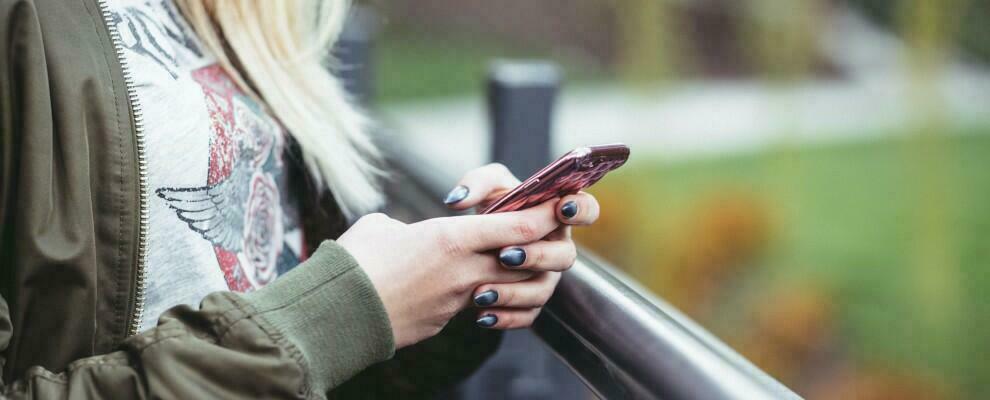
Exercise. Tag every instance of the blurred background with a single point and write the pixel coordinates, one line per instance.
(810, 179)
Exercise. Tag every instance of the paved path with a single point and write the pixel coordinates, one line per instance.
(700, 118)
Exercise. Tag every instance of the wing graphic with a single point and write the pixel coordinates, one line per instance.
(215, 211)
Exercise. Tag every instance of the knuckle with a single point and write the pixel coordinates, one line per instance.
(433, 226)
(508, 297)
(525, 230)
(447, 243)
(372, 218)
(538, 257)
(381, 219)
(498, 168)
(507, 321)
(376, 222)
(571, 254)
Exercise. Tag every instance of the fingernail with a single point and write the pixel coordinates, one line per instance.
(486, 298)
(487, 321)
(513, 257)
(455, 196)
(569, 210)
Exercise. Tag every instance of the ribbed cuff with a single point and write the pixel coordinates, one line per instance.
(329, 309)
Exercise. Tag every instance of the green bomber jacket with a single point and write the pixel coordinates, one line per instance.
(72, 207)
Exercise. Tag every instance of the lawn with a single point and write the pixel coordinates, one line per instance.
(869, 259)
(415, 65)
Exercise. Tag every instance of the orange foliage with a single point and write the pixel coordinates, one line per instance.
(791, 331)
(722, 235)
(878, 384)
(610, 235)
(790, 328)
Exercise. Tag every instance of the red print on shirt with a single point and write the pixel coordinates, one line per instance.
(239, 210)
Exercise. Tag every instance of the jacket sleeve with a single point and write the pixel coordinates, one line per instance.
(304, 334)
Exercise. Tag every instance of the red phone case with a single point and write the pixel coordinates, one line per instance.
(576, 170)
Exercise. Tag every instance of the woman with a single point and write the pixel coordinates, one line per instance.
(168, 222)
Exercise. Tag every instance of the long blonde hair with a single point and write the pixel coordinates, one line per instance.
(275, 50)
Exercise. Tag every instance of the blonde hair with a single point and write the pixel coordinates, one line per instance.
(275, 52)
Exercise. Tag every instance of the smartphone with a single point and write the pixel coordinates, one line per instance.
(575, 171)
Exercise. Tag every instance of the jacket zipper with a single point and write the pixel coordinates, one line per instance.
(134, 322)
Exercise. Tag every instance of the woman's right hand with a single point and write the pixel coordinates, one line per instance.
(425, 272)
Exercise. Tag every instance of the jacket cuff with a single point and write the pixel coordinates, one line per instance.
(329, 309)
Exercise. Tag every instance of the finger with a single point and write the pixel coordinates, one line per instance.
(490, 271)
(578, 209)
(531, 293)
(480, 185)
(507, 318)
(544, 255)
(494, 231)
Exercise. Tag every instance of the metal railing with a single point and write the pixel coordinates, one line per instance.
(620, 340)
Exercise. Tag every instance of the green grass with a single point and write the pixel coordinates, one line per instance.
(897, 231)
(413, 65)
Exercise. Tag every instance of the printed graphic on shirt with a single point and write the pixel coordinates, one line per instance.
(239, 209)
(222, 214)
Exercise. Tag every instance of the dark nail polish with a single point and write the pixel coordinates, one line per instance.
(455, 196)
(486, 298)
(569, 210)
(487, 321)
(513, 257)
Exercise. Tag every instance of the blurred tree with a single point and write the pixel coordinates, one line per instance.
(929, 28)
(972, 33)
(783, 36)
(647, 40)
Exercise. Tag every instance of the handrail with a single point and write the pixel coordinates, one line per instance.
(619, 339)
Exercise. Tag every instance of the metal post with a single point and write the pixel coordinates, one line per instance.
(521, 98)
(353, 54)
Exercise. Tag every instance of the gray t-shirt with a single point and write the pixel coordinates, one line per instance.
(221, 215)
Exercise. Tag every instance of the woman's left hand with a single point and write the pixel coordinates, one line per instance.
(516, 305)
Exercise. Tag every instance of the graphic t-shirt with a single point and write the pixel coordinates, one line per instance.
(221, 216)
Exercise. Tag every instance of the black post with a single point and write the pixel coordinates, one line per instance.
(353, 54)
(521, 99)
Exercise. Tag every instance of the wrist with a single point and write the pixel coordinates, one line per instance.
(380, 284)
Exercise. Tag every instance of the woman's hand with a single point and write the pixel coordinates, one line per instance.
(425, 272)
(508, 305)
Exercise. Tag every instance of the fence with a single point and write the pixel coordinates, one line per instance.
(619, 340)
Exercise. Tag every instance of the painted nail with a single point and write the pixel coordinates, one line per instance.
(569, 210)
(486, 298)
(513, 257)
(487, 321)
(455, 196)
